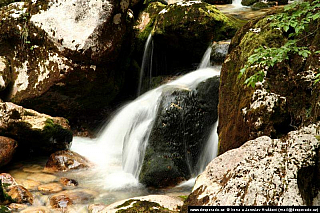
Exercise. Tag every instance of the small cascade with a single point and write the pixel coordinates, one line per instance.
(205, 61)
(237, 3)
(146, 66)
(210, 150)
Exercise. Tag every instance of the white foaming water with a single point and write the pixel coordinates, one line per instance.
(119, 150)
(211, 149)
(146, 62)
(237, 3)
(205, 61)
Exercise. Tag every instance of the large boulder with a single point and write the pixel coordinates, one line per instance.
(8, 148)
(34, 131)
(65, 58)
(184, 30)
(287, 97)
(263, 172)
(180, 131)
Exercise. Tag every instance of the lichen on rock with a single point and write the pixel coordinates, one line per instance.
(264, 172)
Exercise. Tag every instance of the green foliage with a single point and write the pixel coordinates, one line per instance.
(294, 20)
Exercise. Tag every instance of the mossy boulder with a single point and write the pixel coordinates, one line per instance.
(248, 2)
(259, 6)
(183, 32)
(286, 99)
(179, 134)
(34, 132)
(218, 1)
(64, 59)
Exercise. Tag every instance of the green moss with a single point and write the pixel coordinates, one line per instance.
(4, 197)
(4, 209)
(183, 197)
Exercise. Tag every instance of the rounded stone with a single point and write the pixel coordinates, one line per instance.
(68, 182)
(50, 188)
(8, 148)
(43, 178)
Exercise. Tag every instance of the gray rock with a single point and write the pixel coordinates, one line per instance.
(263, 171)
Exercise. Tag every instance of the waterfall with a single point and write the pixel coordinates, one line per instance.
(205, 61)
(210, 150)
(146, 66)
(237, 3)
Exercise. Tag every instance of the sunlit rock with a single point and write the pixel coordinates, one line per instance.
(34, 131)
(50, 188)
(65, 161)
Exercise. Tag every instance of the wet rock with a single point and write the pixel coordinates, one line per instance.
(142, 204)
(96, 208)
(219, 51)
(41, 177)
(65, 161)
(182, 127)
(218, 1)
(20, 194)
(248, 2)
(30, 185)
(50, 188)
(68, 182)
(34, 131)
(60, 201)
(38, 209)
(33, 169)
(7, 179)
(259, 6)
(263, 172)
(17, 206)
(8, 148)
(68, 197)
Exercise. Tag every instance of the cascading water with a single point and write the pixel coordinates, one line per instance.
(146, 66)
(205, 61)
(237, 3)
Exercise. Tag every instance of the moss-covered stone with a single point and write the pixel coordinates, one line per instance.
(183, 32)
(259, 6)
(286, 99)
(248, 2)
(34, 132)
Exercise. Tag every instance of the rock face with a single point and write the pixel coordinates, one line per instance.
(65, 161)
(34, 131)
(181, 130)
(263, 171)
(286, 98)
(8, 148)
(63, 56)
